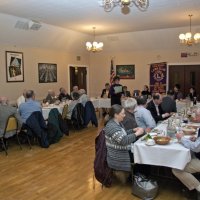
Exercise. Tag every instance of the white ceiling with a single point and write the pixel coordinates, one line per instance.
(82, 15)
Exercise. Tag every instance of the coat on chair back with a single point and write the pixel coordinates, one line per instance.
(77, 117)
(89, 114)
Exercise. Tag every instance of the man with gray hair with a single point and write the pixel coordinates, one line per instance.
(30, 106)
(6, 111)
(51, 97)
(129, 119)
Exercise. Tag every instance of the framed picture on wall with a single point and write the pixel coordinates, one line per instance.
(14, 66)
(47, 72)
(125, 71)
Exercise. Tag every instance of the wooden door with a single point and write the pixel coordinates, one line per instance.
(78, 76)
(186, 76)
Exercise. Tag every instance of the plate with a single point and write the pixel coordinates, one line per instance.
(148, 144)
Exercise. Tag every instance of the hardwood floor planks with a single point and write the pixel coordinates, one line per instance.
(62, 172)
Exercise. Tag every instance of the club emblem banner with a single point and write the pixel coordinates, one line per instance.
(158, 77)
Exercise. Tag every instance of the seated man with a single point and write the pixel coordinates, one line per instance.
(75, 97)
(168, 103)
(30, 106)
(83, 97)
(51, 97)
(63, 95)
(125, 92)
(155, 108)
(5, 112)
(74, 89)
(22, 98)
(143, 116)
(185, 176)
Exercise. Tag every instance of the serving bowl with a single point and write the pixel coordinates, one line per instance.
(188, 130)
(162, 140)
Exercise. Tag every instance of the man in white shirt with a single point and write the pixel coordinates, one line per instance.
(21, 99)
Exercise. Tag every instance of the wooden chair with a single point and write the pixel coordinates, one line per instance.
(11, 126)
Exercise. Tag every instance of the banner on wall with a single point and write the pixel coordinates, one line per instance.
(158, 77)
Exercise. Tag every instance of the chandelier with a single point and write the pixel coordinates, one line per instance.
(94, 46)
(187, 38)
(110, 4)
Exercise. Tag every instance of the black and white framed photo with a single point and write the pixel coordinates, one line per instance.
(14, 66)
(47, 72)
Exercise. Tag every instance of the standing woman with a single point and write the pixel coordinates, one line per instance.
(118, 141)
(116, 91)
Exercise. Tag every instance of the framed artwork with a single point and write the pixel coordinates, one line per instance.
(125, 71)
(47, 72)
(14, 66)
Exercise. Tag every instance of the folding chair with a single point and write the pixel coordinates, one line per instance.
(11, 126)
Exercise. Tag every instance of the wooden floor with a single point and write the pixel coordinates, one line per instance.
(64, 171)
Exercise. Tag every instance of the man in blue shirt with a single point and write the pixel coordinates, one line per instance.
(30, 106)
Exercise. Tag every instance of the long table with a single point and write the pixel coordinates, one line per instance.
(173, 155)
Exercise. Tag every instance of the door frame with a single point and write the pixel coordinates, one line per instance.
(68, 71)
(189, 63)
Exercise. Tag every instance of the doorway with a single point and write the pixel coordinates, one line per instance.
(186, 76)
(78, 76)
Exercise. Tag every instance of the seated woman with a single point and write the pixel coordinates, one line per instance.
(118, 141)
(106, 91)
(177, 93)
(192, 93)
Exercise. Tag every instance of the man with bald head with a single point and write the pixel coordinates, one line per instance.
(154, 106)
(6, 111)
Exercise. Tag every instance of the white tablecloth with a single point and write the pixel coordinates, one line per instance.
(46, 110)
(101, 102)
(172, 155)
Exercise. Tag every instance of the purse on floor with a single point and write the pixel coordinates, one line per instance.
(144, 188)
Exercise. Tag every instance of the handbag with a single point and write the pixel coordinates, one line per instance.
(144, 188)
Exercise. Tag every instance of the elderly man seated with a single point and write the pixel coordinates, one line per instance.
(5, 111)
(74, 89)
(185, 176)
(143, 116)
(30, 106)
(63, 95)
(75, 97)
(51, 97)
(154, 106)
(32, 118)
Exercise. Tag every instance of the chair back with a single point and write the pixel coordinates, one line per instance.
(64, 112)
(11, 125)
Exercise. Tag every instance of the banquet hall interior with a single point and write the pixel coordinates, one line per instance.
(54, 34)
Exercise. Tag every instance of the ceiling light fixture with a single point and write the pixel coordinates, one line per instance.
(187, 38)
(94, 46)
(108, 5)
